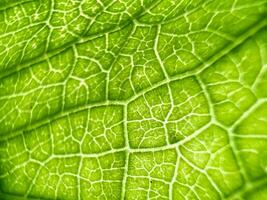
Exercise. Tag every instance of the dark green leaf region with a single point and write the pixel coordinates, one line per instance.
(133, 99)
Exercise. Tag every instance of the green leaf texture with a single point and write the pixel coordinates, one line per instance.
(133, 99)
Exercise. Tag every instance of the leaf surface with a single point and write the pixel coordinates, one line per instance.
(133, 99)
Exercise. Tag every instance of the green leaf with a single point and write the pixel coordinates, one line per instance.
(133, 99)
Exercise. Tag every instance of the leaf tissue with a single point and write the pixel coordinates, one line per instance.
(133, 99)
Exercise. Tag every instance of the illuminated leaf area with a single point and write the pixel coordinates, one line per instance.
(133, 99)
